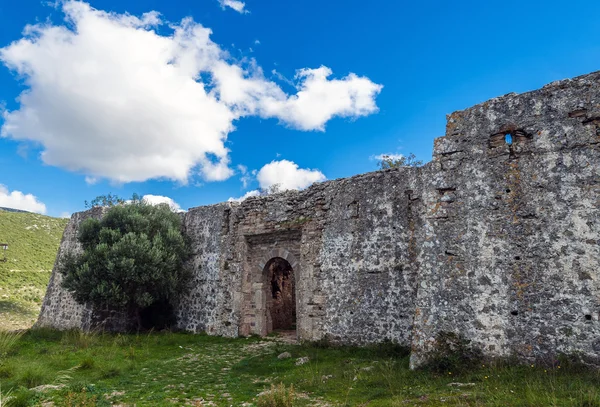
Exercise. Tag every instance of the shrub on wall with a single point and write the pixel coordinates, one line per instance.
(387, 161)
(132, 259)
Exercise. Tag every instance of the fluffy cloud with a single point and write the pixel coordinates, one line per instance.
(319, 99)
(109, 97)
(159, 199)
(280, 176)
(237, 5)
(19, 200)
(254, 192)
(246, 177)
(286, 175)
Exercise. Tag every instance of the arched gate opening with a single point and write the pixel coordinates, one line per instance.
(280, 294)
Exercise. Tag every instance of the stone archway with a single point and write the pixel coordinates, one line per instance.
(279, 275)
(280, 295)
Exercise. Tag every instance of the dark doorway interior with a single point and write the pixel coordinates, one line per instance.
(282, 294)
(158, 316)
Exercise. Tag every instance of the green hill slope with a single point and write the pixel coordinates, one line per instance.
(33, 241)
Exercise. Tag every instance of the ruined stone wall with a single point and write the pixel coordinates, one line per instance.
(367, 257)
(510, 255)
(351, 244)
(204, 308)
(496, 240)
(59, 309)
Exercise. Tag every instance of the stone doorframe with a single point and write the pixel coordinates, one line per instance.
(264, 320)
(260, 322)
(283, 253)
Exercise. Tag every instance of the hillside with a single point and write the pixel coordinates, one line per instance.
(33, 241)
(13, 210)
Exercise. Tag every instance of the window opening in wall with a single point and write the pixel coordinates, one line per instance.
(281, 302)
(508, 138)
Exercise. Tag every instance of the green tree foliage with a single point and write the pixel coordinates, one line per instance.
(132, 258)
(394, 162)
(107, 200)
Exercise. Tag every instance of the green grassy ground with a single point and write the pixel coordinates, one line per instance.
(168, 369)
(33, 241)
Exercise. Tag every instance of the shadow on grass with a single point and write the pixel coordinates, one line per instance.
(16, 315)
(15, 308)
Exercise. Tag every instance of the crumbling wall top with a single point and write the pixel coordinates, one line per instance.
(542, 120)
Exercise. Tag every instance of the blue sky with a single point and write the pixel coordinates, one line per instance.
(120, 102)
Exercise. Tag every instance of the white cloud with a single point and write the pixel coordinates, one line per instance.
(280, 176)
(286, 175)
(109, 97)
(254, 192)
(282, 77)
(246, 177)
(237, 5)
(320, 99)
(91, 180)
(19, 200)
(159, 199)
(65, 215)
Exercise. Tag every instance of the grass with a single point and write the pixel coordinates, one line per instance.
(167, 369)
(33, 241)
(277, 396)
(8, 340)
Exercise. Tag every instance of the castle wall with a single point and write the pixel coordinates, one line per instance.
(204, 308)
(495, 241)
(351, 244)
(510, 255)
(367, 258)
(59, 309)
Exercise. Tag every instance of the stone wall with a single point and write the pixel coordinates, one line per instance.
(59, 309)
(204, 309)
(496, 239)
(511, 254)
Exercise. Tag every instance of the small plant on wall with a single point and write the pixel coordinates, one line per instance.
(133, 260)
(394, 161)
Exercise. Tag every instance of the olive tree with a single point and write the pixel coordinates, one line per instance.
(132, 258)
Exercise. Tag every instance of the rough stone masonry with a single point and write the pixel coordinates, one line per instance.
(497, 239)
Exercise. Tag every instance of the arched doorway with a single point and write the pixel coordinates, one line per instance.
(280, 294)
